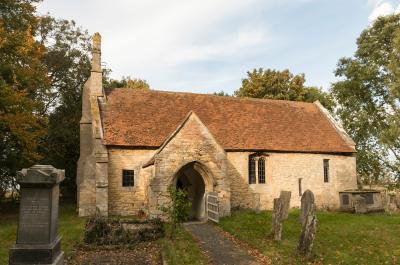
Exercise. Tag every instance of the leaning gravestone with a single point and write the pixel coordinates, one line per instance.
(276, 228)
(309, 223)
(307, 205)
(38, 241)
(285, 197)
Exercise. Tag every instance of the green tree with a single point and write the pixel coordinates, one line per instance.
(125, 82)
(274, 84)
(178, 209)
(368, 98)
(68, 64)
(23, 83)
(221, 93)
(44, 63)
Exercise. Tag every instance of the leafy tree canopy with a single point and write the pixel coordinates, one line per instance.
(43, 65)
(368, 96)
(23, 82)
(274, 84)
(125, 82)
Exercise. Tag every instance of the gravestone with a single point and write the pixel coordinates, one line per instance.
(38, 241)
(276, 229)
(307, 205)
(309, 224)
(285, 197)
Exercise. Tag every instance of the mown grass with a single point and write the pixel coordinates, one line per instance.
(342, 238)
(71, 229)
(183, 249)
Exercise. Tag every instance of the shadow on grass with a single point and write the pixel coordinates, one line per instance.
(342, 238)
(71, 229)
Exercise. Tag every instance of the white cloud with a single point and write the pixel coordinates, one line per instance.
(380, 8)
(397, 9)
(144, 36)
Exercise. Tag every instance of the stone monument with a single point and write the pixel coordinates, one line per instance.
(276, 228)
(285, 197)
(38, 241)
(308, 224)
(280, 213)
(307, 205)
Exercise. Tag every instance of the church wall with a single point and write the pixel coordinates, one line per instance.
(283, 170)
(128, 200)
(192, 142)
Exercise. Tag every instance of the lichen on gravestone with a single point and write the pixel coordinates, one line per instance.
(307, 205)
(309, 224)
(276, 229)
(285, 197)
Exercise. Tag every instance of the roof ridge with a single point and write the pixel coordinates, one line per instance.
(212, 95)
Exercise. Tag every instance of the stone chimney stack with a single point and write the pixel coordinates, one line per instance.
(96, 76)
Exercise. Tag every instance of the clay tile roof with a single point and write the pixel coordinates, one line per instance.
(140, 118)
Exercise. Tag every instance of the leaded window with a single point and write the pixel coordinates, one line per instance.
(261, 170)
(252, 170)
(326, 170)
(128, 178)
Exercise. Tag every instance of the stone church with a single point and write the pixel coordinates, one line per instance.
(134, 144)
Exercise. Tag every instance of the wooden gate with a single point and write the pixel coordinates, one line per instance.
(212, 207)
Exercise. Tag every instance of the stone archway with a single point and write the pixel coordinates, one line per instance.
(194, 179)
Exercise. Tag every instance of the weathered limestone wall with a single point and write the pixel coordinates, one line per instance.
(282, 171)
(191, 142)
(128, 200)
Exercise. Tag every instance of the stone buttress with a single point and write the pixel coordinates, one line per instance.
(92, 173)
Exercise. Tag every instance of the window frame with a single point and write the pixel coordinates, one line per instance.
(326, 170)
(261, 170)
(128, 173)
(252, 170)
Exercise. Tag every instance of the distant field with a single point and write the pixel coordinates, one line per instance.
(342, 238)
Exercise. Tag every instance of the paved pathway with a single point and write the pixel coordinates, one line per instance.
(220, 249)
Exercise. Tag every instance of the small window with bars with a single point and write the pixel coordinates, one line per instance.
(128, 178)
(326, 170)
(345, 199)
(261, 170)
(252, 170)
(369, 198)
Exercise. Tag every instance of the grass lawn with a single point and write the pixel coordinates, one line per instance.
(342, 238)
(71, 229)
(182, 250)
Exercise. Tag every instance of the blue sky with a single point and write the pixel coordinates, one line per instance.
(205, 46)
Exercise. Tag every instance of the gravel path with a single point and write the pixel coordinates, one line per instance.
(220, 249)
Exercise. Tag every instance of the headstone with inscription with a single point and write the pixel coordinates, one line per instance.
(38, 241)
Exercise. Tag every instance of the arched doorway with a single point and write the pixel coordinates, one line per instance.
(190, 179)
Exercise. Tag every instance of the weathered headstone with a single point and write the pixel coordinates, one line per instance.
(38, 241)
(360, 205)
(309, 223)
(285, 197)
(307, 205)
(276, 229)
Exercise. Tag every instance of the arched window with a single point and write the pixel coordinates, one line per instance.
(252, 170)
(261, 170)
